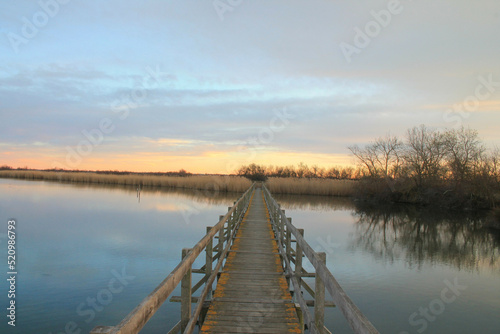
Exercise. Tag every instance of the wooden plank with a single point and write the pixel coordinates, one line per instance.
(252, 294)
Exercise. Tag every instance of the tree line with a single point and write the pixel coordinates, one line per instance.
(261, 173)
(450, 167)
(453, 161)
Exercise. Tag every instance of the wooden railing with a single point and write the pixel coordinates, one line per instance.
(284, 231)
(225, 230)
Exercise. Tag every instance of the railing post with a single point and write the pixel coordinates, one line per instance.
(234, 216)
(282, 227)
(298, 260)
(300, 315)
(185, 294)
(221, 237)
(209, 260)
(289, 240)
(319, 302)
(230, 223)
(277, 220)
(220, 245)
(288, 247)
(209, 250)
(239, 211)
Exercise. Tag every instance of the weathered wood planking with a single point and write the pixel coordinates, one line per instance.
(252, 294)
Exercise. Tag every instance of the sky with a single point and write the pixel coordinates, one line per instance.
(208, 86)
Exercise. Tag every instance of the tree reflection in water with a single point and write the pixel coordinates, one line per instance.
(424, 236)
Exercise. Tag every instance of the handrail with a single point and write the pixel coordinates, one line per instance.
(231, 234)
(357, 320)
(136, 319)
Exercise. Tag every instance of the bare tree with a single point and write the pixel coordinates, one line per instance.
(464, 152)
(367, 157)
(382, 157)
(388, 152)
(424, 154)
(494, 159)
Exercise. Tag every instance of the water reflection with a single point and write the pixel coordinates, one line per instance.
(323, 203)
(204, 196)
(420, 236)
(71, 238)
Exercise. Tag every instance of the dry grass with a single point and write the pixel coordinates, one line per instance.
(322, 187)
(204, 182)
(292, 186)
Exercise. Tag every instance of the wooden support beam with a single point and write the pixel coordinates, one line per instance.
(185, 294)
(300, 315)
(199, 284)
(220, 246)
(288, 244)
(209, 254)
(175, 329)
(289, 240)
(319, 300)
(309, 289)
(229, 227)
(298, 259)
(194, 300)
(304, 274)
(198, 271)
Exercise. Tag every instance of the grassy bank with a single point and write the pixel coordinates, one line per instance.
(203, 182)
(303, 186)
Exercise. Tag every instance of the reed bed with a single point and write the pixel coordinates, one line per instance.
(214, 183)
(202, 182)
(303, 186)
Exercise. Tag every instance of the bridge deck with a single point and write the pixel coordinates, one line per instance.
(252, 293)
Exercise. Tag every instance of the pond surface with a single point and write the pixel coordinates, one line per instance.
(87, 255)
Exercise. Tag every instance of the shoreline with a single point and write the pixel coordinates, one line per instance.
(358, 190)
(223, 183)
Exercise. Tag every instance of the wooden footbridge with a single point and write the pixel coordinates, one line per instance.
(260, 286)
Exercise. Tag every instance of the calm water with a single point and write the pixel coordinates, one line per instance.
(88, 255)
